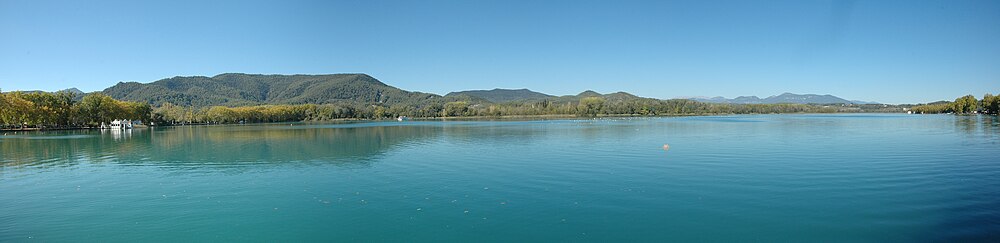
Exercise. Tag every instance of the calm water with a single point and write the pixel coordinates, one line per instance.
(765, 178)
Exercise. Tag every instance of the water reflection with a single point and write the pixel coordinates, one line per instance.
(984, 125)
(358, 144)
(118, 134)
(208, 145)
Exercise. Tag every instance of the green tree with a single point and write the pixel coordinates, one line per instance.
(98, 108)
(590, 106)
(5, 110)
(64, 108)
(17, 110)
(965, 104)
(380, 112)
(934, 108)
(991, 104)
(136, 111)
(458, 108)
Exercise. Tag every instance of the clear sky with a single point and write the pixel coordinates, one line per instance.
(881, 50)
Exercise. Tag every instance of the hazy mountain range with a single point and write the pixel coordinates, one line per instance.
(783, 98)
(236, 89)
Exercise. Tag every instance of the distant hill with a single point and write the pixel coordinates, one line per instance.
(805, 99)
(588, 93)
(786, 98)
(235, 89)
(861, 102)
(72, 91)
(77, 94)
(502, 95)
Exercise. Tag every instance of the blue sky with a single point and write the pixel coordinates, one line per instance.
(886, 51)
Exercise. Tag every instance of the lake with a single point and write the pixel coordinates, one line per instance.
(762, 178)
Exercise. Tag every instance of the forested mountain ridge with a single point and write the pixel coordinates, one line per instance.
(241, 98)
(235, 89)
(502, 95)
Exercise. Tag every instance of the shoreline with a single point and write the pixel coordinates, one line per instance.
(36, 129)
(452, 118)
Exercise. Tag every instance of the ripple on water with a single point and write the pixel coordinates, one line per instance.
(767, 177)
(60, 137)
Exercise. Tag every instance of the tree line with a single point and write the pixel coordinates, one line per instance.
(990, 104)
(61, 110)
(20, 110)
(586, 107)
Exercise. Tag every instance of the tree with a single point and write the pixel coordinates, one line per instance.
(64, 108)
(590, 106)
(136, 111)
(934, 108)
(98, 108)
(5, 110)
(966, 104)
(219, 114)
(17, 111)
(380, 112)
(991, 104)
(458, 108)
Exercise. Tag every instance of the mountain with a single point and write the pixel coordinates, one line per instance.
(233, 89)
(237, 89)
(805, 99)
(621, 96)
(501, 95)
(861, 102)
(717, 99)
(72, 90)
(589, 93)
(747, 100)
(77, 94)
(785, 98)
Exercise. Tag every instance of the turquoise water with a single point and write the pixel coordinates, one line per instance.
(766, 178)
